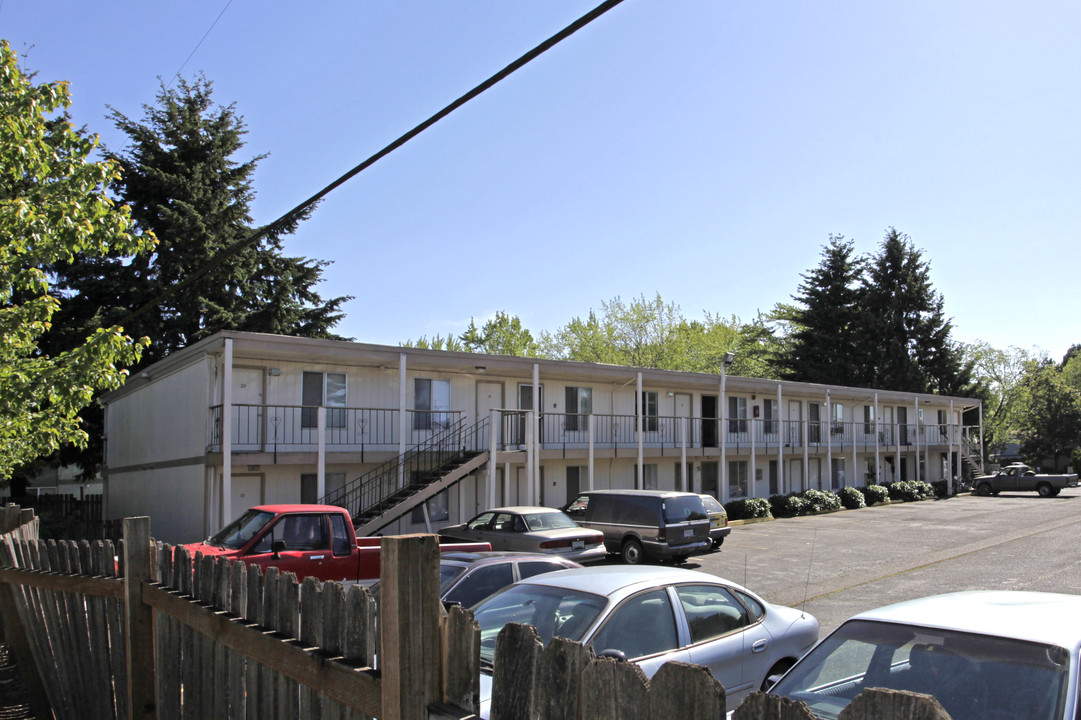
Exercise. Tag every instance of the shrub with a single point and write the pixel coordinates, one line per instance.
(875, 494)
(851, 498)
(787, 505)
(747, 509)
(820, 501)
(941, 488)
(910, 490)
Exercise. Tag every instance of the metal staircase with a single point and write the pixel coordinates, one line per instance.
(389, 491)
(972, 457)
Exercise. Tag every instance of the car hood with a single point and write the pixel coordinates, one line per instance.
(213, 550)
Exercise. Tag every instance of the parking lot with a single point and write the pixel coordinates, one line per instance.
(845, 562)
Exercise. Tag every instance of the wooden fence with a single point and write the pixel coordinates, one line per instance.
(144, 630)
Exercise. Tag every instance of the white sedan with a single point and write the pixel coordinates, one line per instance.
(653, 615)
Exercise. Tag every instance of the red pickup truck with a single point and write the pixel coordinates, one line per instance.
(309, 540)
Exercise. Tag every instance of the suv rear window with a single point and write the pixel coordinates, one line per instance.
(682, 509)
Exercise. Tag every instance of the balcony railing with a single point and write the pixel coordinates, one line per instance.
(285, 428)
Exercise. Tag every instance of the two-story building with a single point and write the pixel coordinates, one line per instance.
(412, 440)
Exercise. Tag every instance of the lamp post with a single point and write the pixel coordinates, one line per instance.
(725, 362)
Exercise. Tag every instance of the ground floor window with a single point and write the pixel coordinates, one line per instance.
(774, 479)
(438, 510)
(649, 477)
(837, 473)
(737, 478)
(309, 485)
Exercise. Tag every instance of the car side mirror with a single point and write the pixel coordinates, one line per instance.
(277, 547)
(617, 654)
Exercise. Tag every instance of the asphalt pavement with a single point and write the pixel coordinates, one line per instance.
(841, 563)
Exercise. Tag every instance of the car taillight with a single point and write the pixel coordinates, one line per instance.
(661, 534)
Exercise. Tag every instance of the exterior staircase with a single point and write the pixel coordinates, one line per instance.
(389, 491)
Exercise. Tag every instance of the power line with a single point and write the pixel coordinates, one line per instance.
(260, 233)
(197, 45)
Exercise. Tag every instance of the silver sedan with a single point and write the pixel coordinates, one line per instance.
(531, 529)
(653, 615)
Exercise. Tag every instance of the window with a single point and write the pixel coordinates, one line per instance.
(649, 410)
(438, 508)
(837, 473)
(737, 478)
(643, 625)
(431, 403)
(322, 390)
(579, 406)
(773, 478)
(737, 414)
(943, 425)
(868, 419)
(769, 416)
(309, 489)
(838, 426)
(649, 475)
(300, 532)
(481, 583)
(711, 611)
(814, 417)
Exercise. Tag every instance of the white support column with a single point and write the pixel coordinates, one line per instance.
(722, 475)
(639, 481)
(226, 436)
(590, 435)
(683, 454)
(538, 408)
(919, 429)
(321, 461)
(530, 453)
(403, 419)
(950, 489)
(780, 440)
(878, 461)
(753, 480)
(493, 461)
(806, 411)
(829, 444)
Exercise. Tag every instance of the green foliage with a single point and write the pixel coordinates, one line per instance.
(875, 494)
(501, 335)
(1000, 372)
(747, 509)
(851, 498)
(437, 342)
(821, 501)
(53, 206)
(1048, 416)
(910, 490)
(787, 505)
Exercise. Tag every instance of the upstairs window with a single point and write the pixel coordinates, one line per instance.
(431, 401)
(323, 390)
(579, 406)
(649, 409)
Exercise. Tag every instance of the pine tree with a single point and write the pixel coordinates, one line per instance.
(825, 345)
(181, 179)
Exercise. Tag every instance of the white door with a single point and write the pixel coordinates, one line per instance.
(795, 427)
(795, 475)
(247, 409)
(683, 410)
(489, 397)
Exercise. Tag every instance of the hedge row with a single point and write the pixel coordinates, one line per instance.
(811, 502)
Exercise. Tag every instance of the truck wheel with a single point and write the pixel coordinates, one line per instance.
(632, 552)
(983, 489)
(1045, 490)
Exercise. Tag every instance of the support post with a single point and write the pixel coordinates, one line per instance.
(139, 619)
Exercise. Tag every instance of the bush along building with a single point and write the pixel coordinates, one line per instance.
(410, 440)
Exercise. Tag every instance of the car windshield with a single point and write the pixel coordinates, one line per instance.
(240, 531)
(972, 676)
(682, 509)
(547, 521)
(553, 611)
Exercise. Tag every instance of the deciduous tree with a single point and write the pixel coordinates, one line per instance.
(54, 205)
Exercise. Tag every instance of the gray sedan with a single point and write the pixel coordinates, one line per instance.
(531, 529)
(653, 615)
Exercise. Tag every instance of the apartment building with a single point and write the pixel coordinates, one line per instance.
(411, 440)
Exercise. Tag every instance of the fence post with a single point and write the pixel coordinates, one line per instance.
(139, 619)
(410, 640)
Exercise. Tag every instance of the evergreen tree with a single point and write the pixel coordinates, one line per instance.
(180, 177)
(903, 324)
(825, 345)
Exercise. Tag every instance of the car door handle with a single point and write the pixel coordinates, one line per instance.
(759, 646)
(317, 557)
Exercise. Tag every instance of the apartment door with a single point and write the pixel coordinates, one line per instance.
(814, 429)
(886, 432)
(247, 490)
(525, 402)
(902, 425)
(489, 397)
(709, 421)
(795, 475)
(683, 410)
(795, 423)
(247, 415)
(709, 479)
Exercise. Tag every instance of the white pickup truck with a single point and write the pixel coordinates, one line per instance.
(1020, 478)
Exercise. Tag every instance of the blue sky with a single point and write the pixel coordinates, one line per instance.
(700, 149)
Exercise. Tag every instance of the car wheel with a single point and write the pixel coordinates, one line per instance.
(632, 552)
(1055, 491)
(779, 668)
(1044, 489)
(983, 489)
(680, 559)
